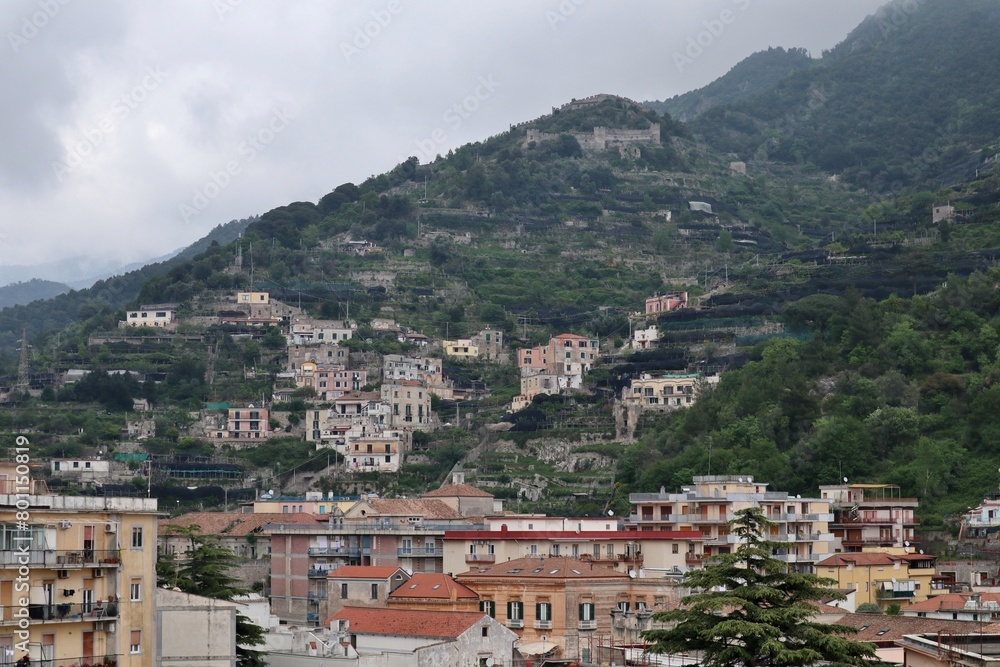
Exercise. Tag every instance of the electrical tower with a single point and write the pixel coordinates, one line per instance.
(23, 380)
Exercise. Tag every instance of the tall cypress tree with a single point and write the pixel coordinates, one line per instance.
(750, 611)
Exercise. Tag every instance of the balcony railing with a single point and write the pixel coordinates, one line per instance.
(312, 617)
(588, 625)
(316, 596)
(515, 623)
(693, 558)
(418, 552)
(480, 558)
(881, 594)
(339, 551)
(52, 558)
(318, 573)
(369, 527)
(70, 612)
(102, 661)
(543, 625)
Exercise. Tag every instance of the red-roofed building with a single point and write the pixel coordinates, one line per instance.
(465, 499)
(433, 591)
(360, 586)
(568, 603)
(983, 607)
(398, 532)
(411, 638)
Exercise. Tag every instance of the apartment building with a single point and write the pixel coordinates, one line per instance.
(89, 566)
(158, 316)
(870, 515)
(329, 381)
(409, 404)
(402, 532)
(664, 392)
(710, 503)
(886, 577)
(576, 354)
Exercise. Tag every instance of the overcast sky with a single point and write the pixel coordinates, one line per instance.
(130, 129)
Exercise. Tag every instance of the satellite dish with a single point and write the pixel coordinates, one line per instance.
(845, 480)
(741, 479)
(631, 573)
(798, 495)
(906, 544)
(921, 551)
(611, 512)
(271, 491)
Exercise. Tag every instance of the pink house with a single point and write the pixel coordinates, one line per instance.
(666, 302)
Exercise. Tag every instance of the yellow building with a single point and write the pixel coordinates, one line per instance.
(77, 576)
(882, 578)
(463, 348)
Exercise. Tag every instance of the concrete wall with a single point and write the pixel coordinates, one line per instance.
(194, 631)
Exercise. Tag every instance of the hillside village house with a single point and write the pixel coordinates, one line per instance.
(664, 392)
(329, 355)
(83, 471)
(645, 339)
(244, 424)
(328, 380)
(554, 368)
(409, 404)
(159, 316)
(665, 303)
(306, 331)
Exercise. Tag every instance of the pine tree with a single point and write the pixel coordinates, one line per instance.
(752, 612)
(204, 570)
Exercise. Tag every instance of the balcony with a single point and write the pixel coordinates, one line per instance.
(692, 558)
(900, 589)
(63, 560)
(543, 625)
(339, 551)
(312, 617)
(587, 625)
(107, 660)
(480, 558)
(316, 596)
(317, 573)
(74, 612)
(420, 552)
(515, 623)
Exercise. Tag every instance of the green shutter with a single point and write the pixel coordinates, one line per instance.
(538, 611)
(581, 612)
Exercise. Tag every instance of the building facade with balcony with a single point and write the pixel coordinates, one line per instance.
(358, 586)
(882, 578)
(404, 533)
(870, 515)
(90, 578)
(409, 404)
(660, 552)
(561, 605)
(710, 503)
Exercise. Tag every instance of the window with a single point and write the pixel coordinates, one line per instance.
(486, 631)
(587, 611)
(543, 614)
(515, 610)
(488, 607)
(135, 642)
(675, 548)
(623, 605)
(136, 537)
(343, 591)
(135, 590)
(374, 591)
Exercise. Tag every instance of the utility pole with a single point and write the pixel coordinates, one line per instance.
(23, 378)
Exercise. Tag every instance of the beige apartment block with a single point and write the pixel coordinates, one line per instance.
(710, 503)
(77, 576)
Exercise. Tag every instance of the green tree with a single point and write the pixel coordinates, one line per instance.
(752, 612)
(204, 570)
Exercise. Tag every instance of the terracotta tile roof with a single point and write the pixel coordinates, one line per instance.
(433, 585)
(536, 567)
(354, 396)
(363, 572)
(234, 524)
(882, 628)
(457, 491)
(407, 622)
(570, 336)
(427, 508)
(950, 602)
(840, 560)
